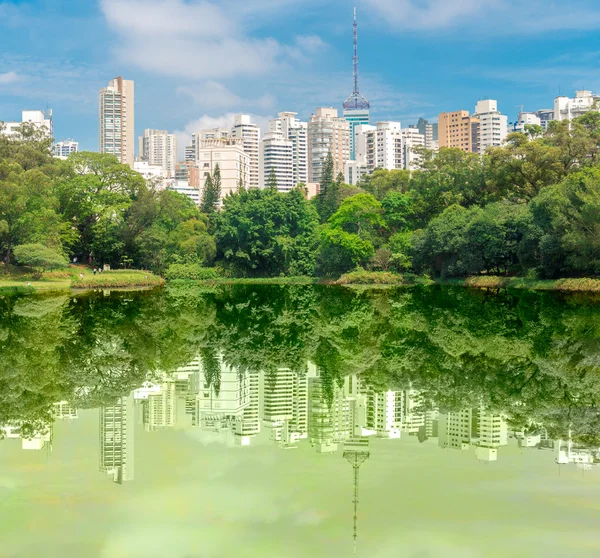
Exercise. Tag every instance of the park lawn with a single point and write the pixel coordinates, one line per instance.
(21, 280)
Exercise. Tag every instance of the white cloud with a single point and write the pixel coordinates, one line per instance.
(214, 95)
(199, 40)
(493, 17)
(9, 77)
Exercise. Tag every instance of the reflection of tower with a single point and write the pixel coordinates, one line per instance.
(356, 452)
(116, 439)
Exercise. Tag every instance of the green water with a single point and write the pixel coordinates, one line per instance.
(194, 422)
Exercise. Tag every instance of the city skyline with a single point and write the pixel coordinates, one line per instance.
(256, 78)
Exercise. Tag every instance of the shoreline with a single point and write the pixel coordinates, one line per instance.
(363, 280)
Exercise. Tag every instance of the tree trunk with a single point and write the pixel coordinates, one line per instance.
(7, 260)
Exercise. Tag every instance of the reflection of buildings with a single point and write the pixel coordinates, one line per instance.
(331, 412)
(285, 404)
(36, 442)
(117, 439)
(159, 409)
(485, 430)
(64, 411)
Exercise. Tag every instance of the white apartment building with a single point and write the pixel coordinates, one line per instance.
(277, 156)
(249, 133)
(384, 147)
(493, 126)
(35, 443)
(117, 439)
(63, 149)
(183, 187)
(150, 172)
(158, 147)
(526, 119)
(566, 108)
(41, 119)
(297, 132)
(327, 132)
(232, 159)
(412, 140)
(116, 118)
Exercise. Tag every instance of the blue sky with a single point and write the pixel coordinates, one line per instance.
(197, 62)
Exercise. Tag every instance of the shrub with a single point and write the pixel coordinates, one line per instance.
(361, 277)
(39, 257)
(194, 272)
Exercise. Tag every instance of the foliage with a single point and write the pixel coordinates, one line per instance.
(191, 271)
(39, 257)
(265, 233)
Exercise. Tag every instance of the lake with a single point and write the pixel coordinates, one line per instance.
(258, 421)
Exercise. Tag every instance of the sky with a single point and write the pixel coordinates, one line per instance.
(194, 496)
(195, 63)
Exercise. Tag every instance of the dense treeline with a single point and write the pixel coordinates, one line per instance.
(531, 206)
(529, 355)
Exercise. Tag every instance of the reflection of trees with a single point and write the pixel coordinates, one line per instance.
(533, 356)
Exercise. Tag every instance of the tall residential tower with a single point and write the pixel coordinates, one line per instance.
(116, 115)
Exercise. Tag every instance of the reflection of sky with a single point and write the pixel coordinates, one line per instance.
(193, 497)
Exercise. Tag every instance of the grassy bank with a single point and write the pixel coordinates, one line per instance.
(581, 285)
(20, 280)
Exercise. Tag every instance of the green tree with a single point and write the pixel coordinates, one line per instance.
(216, 184)
(265, 233)
(382, 181)
(208, 204)
(564, 235)
(39, 257)
(272, 180)
(326, 199)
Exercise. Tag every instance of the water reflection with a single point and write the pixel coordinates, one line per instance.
(381, 389)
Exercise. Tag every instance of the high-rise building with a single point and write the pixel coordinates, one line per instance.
(117, 439)
(116, 115)
(356, 107)
(384, 147)
(327, 132)
(276, 159)
(158, 147)
(232, 159)
(430, 131)
(297, 132)
(63, 149)
(250, 135)
(459, 129)
(493, 126)
(412, 140)
(356, 169)
(566, 108)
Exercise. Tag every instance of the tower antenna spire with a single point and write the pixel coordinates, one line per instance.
(356, 101)
(355, 59)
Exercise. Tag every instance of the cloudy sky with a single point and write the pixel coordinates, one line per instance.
(197, 62)
(196, 497)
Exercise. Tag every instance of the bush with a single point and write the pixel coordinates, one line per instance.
(362, 277)
(39, 257)
(194, 272)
